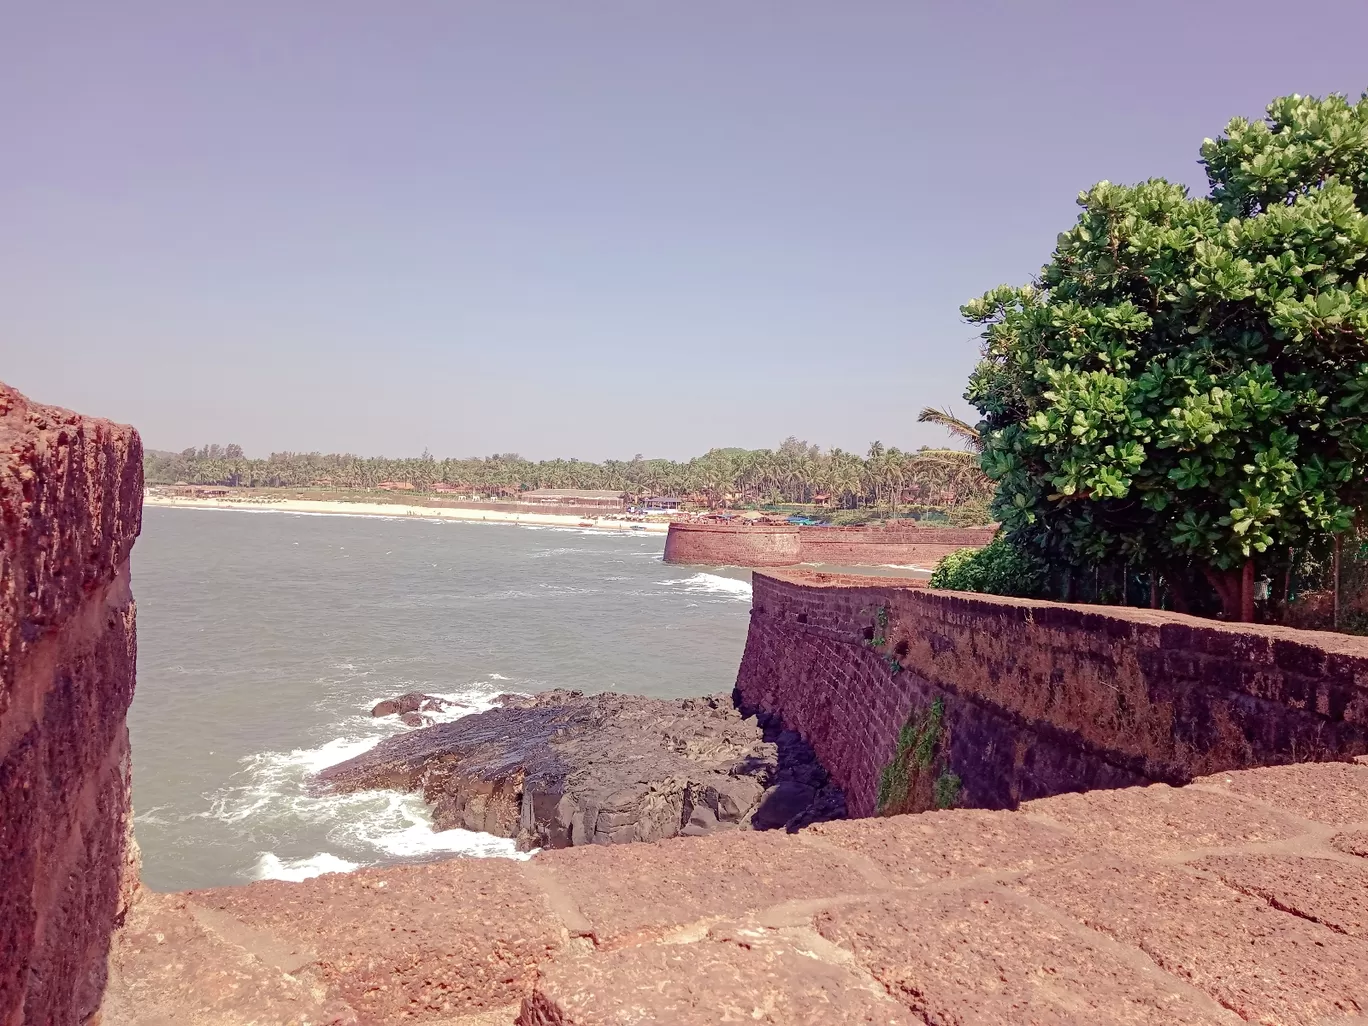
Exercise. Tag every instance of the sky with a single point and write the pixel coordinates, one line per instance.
(586, 229)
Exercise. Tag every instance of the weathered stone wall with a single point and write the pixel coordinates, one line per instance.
(724, 545)
(70, 509)
(871, 546)
(1041, 698)
(785, 545)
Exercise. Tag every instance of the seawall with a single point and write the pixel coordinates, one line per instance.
(1014, 699)
(765, 545)
(70, 509)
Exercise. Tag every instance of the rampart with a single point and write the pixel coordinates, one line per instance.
(764, 545)
(1014, 699)
(70, 508)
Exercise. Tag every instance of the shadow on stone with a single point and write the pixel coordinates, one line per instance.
(802, 791)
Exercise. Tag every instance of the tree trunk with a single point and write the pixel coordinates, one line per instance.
(1247, 592)
(1336, 614)
(1154, 590)
(1228, 588)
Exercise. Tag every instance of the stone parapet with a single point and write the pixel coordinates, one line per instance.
(725, 545)
(765, 545)
(1035, 697)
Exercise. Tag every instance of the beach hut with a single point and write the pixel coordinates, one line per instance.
(595, 498)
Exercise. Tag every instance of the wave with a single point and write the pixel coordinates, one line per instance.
(150, 816)
(269, 801)
(546, 553)
(713, 584)
(410, 834)
(272, 867)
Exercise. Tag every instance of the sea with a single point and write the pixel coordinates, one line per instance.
(265, 637)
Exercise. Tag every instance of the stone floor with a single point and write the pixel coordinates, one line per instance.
(1240, 898)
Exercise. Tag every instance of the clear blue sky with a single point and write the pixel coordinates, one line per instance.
(580, 229)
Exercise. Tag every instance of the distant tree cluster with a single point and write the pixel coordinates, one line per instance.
(1184, 389)
(795, 472)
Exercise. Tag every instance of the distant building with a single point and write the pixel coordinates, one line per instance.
(201, 491)
(396, 486)
(664, 502)
(601, 498)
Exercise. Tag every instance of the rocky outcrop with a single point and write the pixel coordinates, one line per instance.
(563, 768)
(412, 702)
(70, 509)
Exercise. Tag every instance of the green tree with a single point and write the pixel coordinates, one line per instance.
(1185, 388)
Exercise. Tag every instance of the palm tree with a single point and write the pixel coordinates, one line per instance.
(958, 428)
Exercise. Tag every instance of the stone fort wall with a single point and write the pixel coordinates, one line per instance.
(70, 508)
(1040, 698)
(763, 545)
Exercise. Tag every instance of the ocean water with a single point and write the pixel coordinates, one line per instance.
(264, 638)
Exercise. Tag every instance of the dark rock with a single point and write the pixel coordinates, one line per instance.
(702, 820)
(781, 803)
(413, 719)
(412, 702)
(561, 768)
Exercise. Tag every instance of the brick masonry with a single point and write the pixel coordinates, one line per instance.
(1042, 698)
(70, 508)
(762, 545)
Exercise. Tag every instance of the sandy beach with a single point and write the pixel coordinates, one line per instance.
(390, 509)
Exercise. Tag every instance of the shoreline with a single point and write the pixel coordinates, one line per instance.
(336, 507)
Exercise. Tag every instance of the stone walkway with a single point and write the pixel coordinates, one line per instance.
(1240, 898)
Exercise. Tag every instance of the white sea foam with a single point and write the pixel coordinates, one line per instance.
(150, 816)
(404, 830)
(271, 867)
(270, 798)
(713, 584)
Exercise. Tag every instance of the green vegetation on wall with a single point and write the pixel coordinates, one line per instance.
(916, 779)
(1184, 391)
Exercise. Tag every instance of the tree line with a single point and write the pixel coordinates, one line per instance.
(794, 472)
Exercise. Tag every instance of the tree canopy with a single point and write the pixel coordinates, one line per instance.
(1185, 386)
